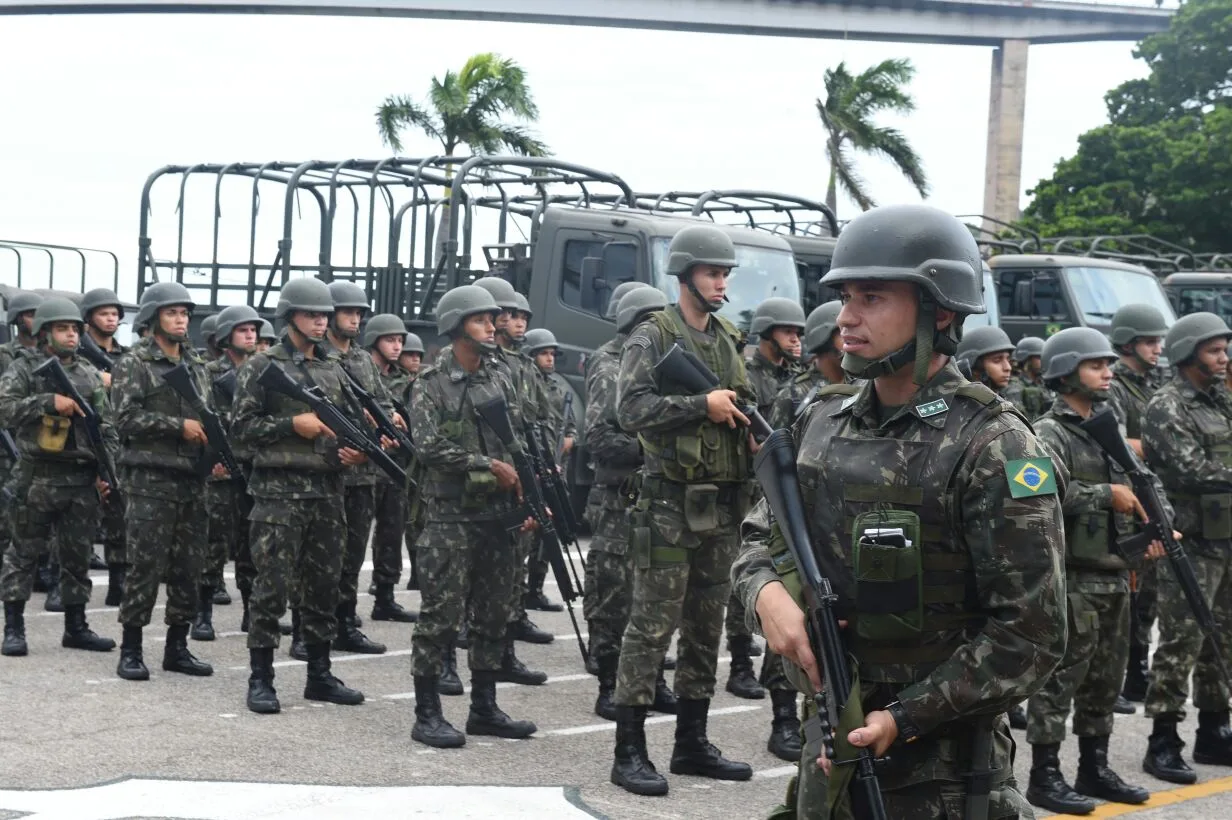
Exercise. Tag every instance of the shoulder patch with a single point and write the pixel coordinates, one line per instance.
(931, 408)
(1031, 477)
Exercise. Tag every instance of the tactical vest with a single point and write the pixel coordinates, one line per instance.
(1089, 535)
(294, 452)
(700, 451)
(54, 438)
(164, 451)
(1210, 512)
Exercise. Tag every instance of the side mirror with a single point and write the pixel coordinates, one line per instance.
(1024, 298)
(592, 275)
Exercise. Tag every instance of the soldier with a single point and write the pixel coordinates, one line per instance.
(1137, 334)
(209, 350)
(235, 333)
(410, 360)
(821, 343)
(383, 339)
(1026, 389)
(617, 457)
(58, 477)
(162, 442)
(921, 464)
(683, 534)
(266, 337)
(987, 351)
(1187, 442)
(467, 559)
(20, 317)
(1099, 508)
(298, 518)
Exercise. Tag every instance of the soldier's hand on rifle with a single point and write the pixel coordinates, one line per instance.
(104, 489)
(67, 407)
(782, 622)
(1125, 502)
(400, 422)
(753, 445)
(106, 379)
(721, 408)
(351, 457)
(194, 432)
(529, 524)
(370, 419)
(878, 733)
(308, 426)
(567, 446)
(219, 471)
(388, 444)
(506, 476)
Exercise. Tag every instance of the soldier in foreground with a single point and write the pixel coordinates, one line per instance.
(820, 341)
(1026, 389)
(921, 466)
(695, 490)
(987, 350)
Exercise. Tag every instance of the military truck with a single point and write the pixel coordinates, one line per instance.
(52, 270)
(1197, 291)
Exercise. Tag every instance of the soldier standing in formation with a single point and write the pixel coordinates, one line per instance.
(57, 477)
(683, 532)
(986, 350)
(1026, 389)
(209, 348)
(20, 317)
(970, 491)
(266, 337)
(820, 341)
(410, 359)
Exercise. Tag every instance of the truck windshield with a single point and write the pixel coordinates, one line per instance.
(993, 317)
(1196, 299)
(1100, 291)
(762, 273)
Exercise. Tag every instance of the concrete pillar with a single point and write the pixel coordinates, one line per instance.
(1007, 105)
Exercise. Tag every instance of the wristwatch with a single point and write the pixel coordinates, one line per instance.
(908, 732)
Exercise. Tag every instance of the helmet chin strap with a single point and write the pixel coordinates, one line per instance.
(177, 338)
(1073, 385)
(316, 340)
(928, 340)
(706, 304)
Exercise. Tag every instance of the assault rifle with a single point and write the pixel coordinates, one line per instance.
(225, 385)
(691, 373)
(495, 414)
(273, 377)
(1102, 428)
(384, 423)
(553, 487)
(775, 466)
(92, 353)
(217, 449)
(806, 401)
(53, 371)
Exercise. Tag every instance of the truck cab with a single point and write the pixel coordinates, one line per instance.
(1196, 292)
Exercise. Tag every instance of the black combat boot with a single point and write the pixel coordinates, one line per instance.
(203, 625)
(514, 671)
(1163, 752)
(96, 563)
(1122, 706)
(1134, 688)
(664, 698)
(131, 665)
(604, 707)
(115, 584)
(322, 685)
(631, 768)
(14, 629)
(385, 608)
(53, 602)
(1213, 740)
(524, 630)
(221, 596)
(297, 650)
(244, 619)
(449, 683)
(486, 718)
(349, 638)
(534, 597)
(431, 728)
(77, 633)
(177, 658)
(1048, 788)
(784, 740)
(1018, 717)
(740, 681)
(694, 753)
(262, 698)
(1096, 779)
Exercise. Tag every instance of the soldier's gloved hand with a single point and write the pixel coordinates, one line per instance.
(308, 426)
(351, 457)
(506, 476)
(1125, 502)
(194, 432)
(67, 407)
(782, 622)
(721, 408)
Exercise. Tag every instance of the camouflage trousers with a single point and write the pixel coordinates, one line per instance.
(166, 544)
(388, 532)
(609, 569)
(114, 535)
(681, 580)
(1182, 649)
(228, 533)
(527, 546)
(465, 571)
(1093, 669)
(360, 505)
(297, 548)
(60, 518)
(413, 526)
(1144, 603)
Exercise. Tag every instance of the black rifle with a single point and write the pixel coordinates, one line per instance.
(1102, 428)
(691, 373)
(556, 496)
(565, 414)
(8, 446)
(53, 371)
(384, 423)
(92, 353)
(806, 401)
(273, 377)
(775, 466)
(495, 413)
(217, 449)
(225, 385)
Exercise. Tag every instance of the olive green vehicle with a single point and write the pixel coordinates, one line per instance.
(54, 270)
(1207, 291)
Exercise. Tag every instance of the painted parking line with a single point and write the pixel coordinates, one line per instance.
(609, 726)
(502, 685)
(1170, 797)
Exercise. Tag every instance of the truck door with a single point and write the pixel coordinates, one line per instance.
(1032, 302)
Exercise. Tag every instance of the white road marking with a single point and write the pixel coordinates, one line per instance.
(608, 726)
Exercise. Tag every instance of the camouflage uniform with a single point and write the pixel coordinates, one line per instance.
(985, 637)
(552, 391)
(414, 512)
(1030, 396)
(787, 401)
(391, 499)
(229, 505)
(113, 508)
(10, 492)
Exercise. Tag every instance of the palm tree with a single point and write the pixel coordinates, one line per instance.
(851, 102)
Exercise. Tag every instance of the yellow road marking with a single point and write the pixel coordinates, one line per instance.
(1166, 798)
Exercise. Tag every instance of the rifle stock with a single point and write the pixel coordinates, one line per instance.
(383, 422)
(218, 448)
(691, 373)
(92, 353)
(225, 385)
(52, 370)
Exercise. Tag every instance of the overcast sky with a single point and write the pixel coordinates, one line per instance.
(89, 106)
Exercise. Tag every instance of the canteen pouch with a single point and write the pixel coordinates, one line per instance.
(476, 489)
(1089, 537)
(889, 577)
(1216, 516)
(701, 507)
(639, 536)
(53, 433)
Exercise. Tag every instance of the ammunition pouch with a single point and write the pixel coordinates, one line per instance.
(889, 578)
(701, 507)
(1087, 536)
(1216, 515)
(53, 433)
(478, 488)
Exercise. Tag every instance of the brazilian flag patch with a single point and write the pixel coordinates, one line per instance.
(1031, 476)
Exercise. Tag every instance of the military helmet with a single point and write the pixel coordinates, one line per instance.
(1027, 347)
(460, 302)
(22, 302)
(55, 309)
(1068, 348)
(634, 306)
(307, 294)
(777, 312)
(158, 296)
(382, 324)
(912, 243)
(100, 297)
(982, 341)
(229, 318)
(502, 292)
(1132, 321)
(266, 331)
(539, 339)
(413, 344)
(820, 325)
(699, 245)
(348, 295)
(523, 305)
(1190, 332)
(209, 326)
(613, 301)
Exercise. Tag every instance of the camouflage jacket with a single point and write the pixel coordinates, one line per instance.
(768, 379)
(1131, 392)
(150, 414)
(615, 453)
(397, 383)
(26, 400)
(358, 363)
(454, 445)
(553, 388)
(524, 376)
(787, 402)
(985, 498)
(224, 404)
(10, 351)
(1029, 395)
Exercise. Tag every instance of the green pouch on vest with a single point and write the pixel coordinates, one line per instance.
(1216, 515)
(889, 577)
(53, 433)
(1088, 539)
(639, 537)
(701, 507)
(479, 484)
